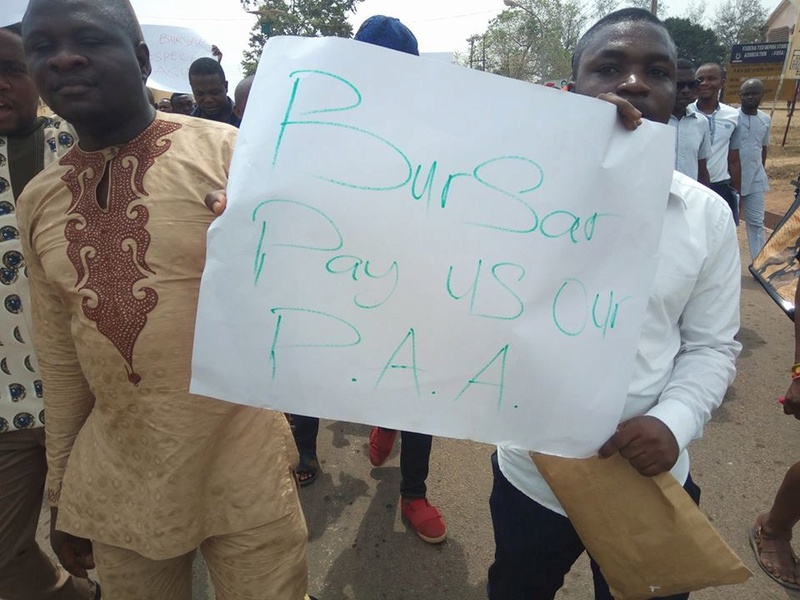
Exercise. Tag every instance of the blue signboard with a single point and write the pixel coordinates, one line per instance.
(759, 53)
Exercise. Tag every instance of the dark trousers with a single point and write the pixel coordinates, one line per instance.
(415, 454)
(724, 189)
(26, 572)
(305, 432)
(535, 547)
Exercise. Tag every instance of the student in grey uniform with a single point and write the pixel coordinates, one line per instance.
(693, 138)
(754, 127)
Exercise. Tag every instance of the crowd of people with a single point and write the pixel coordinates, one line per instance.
(103, 222)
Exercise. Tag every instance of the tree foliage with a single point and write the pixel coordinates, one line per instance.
(695, 42)
(309, 18)
(532, 42)
(739, 21)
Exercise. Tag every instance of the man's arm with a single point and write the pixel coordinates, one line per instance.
(67, 397)
(705, 364)
(702, 172)
(704, 152)
(735, 169)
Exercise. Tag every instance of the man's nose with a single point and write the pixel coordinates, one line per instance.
(66, 60)
(634, 83)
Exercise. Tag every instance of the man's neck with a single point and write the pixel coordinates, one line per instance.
(96, 136)
(750, 111)
(222, 116)
(679, 113)
(708, 106)
(24, 130)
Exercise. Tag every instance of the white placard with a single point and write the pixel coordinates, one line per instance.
(172, 52)
(430, 248)
(12, 12)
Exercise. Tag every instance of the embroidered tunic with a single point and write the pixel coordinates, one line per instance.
(134, 459)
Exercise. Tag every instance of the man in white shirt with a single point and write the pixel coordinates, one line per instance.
(693, 135)
(754, 126)
(724, 167)
(686, 352)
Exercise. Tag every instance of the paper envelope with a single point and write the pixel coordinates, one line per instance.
(648, 536)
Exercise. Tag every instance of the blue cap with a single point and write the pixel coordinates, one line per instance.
(389, 33)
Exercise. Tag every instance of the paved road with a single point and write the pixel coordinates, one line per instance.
(361, 550)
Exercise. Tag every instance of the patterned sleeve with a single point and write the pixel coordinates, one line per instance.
(67, 397)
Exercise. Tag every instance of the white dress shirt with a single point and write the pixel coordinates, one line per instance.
(686, 355)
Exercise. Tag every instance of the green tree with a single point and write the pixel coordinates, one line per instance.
(308, 18)
(695, 42)
(532, 41)
(739, 22)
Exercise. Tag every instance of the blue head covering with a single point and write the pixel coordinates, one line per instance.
(389, 33)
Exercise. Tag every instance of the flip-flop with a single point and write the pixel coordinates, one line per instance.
(754, 534)
(309, 468)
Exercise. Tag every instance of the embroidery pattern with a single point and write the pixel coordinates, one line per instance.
(108, 246)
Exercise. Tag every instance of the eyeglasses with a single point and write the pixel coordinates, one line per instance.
(692, 85)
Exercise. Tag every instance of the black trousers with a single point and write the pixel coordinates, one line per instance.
(415, 454)
(724, 189)
(535, 547)
(305, 433)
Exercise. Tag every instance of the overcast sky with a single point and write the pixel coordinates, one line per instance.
(440, 25)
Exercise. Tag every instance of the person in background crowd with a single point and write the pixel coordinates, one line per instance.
(164, 105)
(141, 472)
(771, 534)
(210, 90)
(686, 352)
(693, 136)
(240, 96)
(182, 103)
(724, 166)
(28, 144)
(754, 126)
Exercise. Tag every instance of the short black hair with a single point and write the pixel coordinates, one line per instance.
(177, 95)
(713, 64)
(206, 66)
(15, 29)
(684, 64)
(626, 15)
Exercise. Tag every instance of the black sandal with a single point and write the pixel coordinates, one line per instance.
(307, 471)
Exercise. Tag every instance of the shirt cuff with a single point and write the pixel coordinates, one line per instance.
(53, 496)
(679, 418)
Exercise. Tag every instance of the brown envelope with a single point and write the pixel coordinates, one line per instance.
(646, 533)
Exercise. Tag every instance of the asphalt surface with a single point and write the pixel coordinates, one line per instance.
(360, 549)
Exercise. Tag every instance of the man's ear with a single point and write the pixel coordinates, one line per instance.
(143, 57)
(226, 85)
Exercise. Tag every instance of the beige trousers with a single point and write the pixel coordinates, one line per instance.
(265, 563)
(26, 573)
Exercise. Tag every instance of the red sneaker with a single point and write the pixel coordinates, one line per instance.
(380, 445)
(426, 520)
